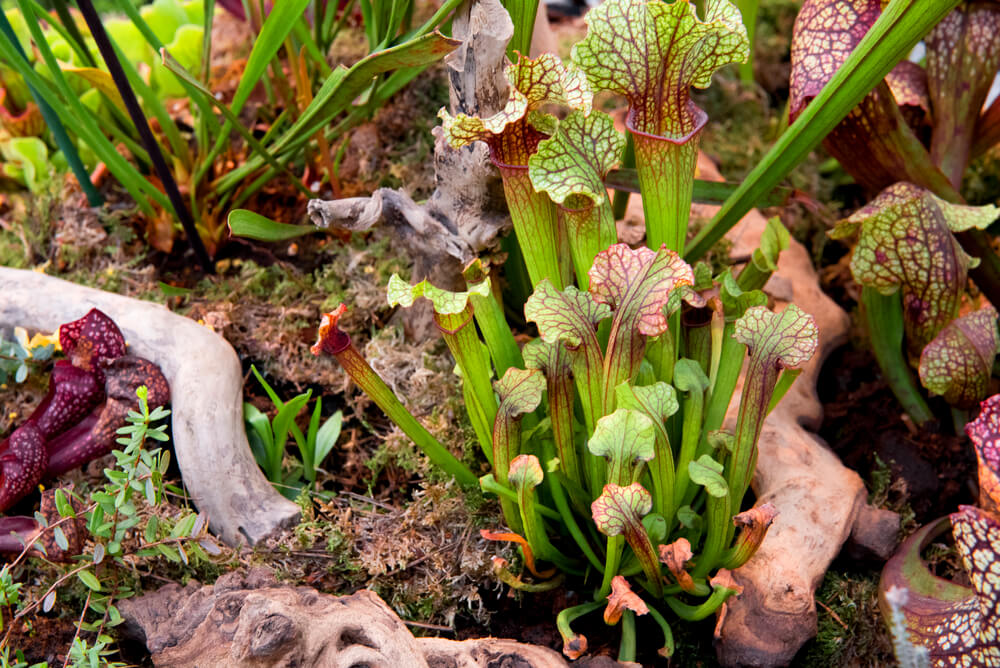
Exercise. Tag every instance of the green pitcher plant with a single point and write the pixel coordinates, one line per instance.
(604, 434)
(601, 468)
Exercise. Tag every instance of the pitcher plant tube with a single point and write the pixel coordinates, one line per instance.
(652, 53)
(513, 135)
(913, 273)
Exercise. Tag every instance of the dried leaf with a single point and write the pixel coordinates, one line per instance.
(620, 599)
(674, 556)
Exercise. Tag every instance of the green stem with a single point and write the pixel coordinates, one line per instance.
(590, 231)
(726, 377)
(474, 363)
(626, 651)
(567, 617)
(534, 531)
(748, 10)
(492, 323)
(884, 316)
(718, 518)
(662, 355)
(612, 559)
(694, 613)
(361, 373)
(694, 406)
(620, 203)
(488, 483)
(666, 177)
(569, 521)
(698, 335)
(668, 635)
(536, 224)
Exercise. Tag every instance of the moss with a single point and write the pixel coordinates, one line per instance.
(850, 628)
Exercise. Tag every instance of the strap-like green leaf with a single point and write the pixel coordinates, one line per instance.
(653, 52)
(898, 29)
(958, 363)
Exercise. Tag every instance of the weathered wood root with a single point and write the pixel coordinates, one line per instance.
(250, 620)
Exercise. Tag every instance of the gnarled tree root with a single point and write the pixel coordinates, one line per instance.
(251, 620)
(206, 383)
(821, 502)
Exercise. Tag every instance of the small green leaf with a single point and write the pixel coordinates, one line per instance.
(60, 538)
(787, 339)
(626, 438)
(445, 303)
(708, 473)
(619, 509)
(636, 284)
(569, 317)
(525, 471)
(520, 391)
(688, 517)
(570, 166)
(89, 579)
(250, 225)
(63, 505)
(659, 400)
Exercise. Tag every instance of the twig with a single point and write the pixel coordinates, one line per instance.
(833, 614)
(432, 627)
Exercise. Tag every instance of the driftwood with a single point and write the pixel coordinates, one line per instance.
(467, 210)
(206, 384)
(822, 503)
(250, 620)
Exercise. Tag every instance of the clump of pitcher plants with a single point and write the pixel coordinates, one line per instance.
(90, 396)
(604, 434)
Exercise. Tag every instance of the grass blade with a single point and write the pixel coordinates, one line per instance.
(142, 125)
(54, 124)
(250, 225)
(231, 119)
